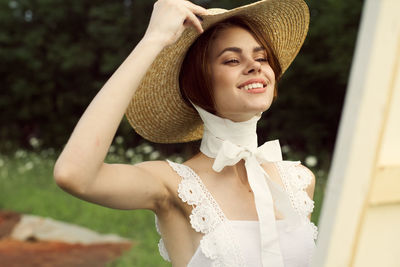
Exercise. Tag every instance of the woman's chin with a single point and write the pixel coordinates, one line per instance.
(262, 107)
(245, 112)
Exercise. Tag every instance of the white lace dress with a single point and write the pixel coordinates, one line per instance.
(237, 243)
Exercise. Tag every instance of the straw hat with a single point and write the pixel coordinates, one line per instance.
(158, 112)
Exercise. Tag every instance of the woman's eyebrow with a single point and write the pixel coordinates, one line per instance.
(239, 50)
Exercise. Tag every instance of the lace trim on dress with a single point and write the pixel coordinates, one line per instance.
(161, 245)
(218, 243)
(296, 179)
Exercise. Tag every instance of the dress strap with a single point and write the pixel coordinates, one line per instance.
(296, 178)
(218, 242)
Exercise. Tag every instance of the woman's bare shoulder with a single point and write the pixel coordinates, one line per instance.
(155, 167)
(199, 163)
(160, 169)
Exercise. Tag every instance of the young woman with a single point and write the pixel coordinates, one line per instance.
(206, 74)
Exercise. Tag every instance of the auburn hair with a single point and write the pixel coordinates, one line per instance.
(195, 73)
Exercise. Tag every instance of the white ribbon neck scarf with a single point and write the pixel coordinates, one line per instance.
(229, 142)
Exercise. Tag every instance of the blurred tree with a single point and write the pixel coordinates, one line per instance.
(57, 54)
(307, 112)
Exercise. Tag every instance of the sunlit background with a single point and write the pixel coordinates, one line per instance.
(55, 55)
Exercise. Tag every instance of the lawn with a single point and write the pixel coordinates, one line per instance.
(27, 186)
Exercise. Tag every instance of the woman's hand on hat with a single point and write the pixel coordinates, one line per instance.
(171, 17)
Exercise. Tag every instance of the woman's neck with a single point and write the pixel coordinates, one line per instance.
(202, 163)
(218, 129)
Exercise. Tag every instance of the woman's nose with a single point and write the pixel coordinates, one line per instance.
(253, 66)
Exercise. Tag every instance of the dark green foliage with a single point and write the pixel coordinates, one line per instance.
(311, 93)
(55, 55)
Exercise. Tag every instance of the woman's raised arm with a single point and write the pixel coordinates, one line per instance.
(80, 169)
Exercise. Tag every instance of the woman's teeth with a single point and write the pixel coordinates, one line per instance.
(252, 86)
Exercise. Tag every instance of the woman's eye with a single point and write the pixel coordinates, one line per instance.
(262, 59)
(232, 61)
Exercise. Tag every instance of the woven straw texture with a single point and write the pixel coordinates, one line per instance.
(157, 111)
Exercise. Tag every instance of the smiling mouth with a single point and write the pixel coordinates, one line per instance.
(253, 86)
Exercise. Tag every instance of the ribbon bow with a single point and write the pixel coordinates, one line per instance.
(229, 154)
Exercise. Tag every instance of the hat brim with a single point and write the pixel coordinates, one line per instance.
(157, 111)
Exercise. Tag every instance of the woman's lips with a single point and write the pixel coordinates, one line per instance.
(254, 80)
(256, 90)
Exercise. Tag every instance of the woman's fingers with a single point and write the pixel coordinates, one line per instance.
(195, 8)
(170, 18)
(192, 19)
(198, 12)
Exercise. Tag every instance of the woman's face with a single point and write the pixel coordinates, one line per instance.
(236, 60)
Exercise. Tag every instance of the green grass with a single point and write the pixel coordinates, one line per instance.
(318, 196)
(27, 186)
